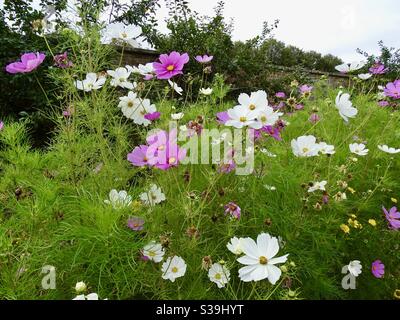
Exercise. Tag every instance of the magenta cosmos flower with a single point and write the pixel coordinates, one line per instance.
(29, 62)
(280, 95)
(378, 269)
(170, 65)
(152, 116)
(383, 103)
(1, 125)
(61, 61)
(204, 59)
(233, 209)
(314, 118)
(223, 117)
(135, 223)
(393, 89)
(377, 68)
(393, 217)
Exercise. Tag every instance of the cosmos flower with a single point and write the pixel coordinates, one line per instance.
(62, 61)
(260, 259)
(378, 68)
(281, 95)
(219, 274)
(318, 186)
(345, 106)
(135, 223)
(91, 82)
(354, 267)
(204, 59)
(350, 67)
(388, 149)
(152, 116)
(358, 149)
(392, 89)
(1, 125)
(325, 148)
(223, 117)
(119, 199)
(90, 296)
(170, 65)
(173, 268)
(175, 87)
(233, 209)
(123, 33)
(29, 62)
(393, 218)
(206, 92)
(314, 118)
(378, 269)
(153, 252)
(305, 89)
(365, 76)
(305, 146)
(383, 103)
(235, 246)
(120, 78)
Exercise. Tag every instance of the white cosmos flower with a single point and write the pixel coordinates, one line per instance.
(206, 92)
(175, 86)
(305, 146)
(173, 268)
(268, 153)
(153, 251)
(219, 274)
(270, 188)
(143, 69)
(266, 117)
(260, 259)
(358, 149)
(365, 76)
(144, 107)
(120, 78)
(354, 268)
(153, 196)
(255, 102)
(91, 82)
(177, 116)
(349, 67)
(325, 148)
(235, 246)
(129, 105)
(241, 116)
(318, 186)
(124, 33)
(345, 106)
(119, 199)
(388, 149)
(90, 296)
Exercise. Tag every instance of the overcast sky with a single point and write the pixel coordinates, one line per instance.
(338, 27)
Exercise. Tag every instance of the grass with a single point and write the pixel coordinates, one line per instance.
(52, 209)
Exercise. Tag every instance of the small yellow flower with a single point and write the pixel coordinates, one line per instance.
(345, 228)
(351, 190)
(353, 216)
(397, 294)
(394, 200)
(372, 222)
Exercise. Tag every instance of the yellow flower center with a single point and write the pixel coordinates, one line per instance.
(172, 160)
(263, 260)
(174, 269)
(252, 107)
(161, 148)
(263, 119)
(171, 67)
(218, 276)
(152, 253)
(130, 104)
(243, 119)
(305, 150)
(121, 79)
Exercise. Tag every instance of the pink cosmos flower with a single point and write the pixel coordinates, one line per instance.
(152, 116)
(233, 209)
(227, 166)
(383, 103)
(170, 65)
(139, 157)
(377, 68)
(280, 95)
(305, 89)
(393, 89)
(273, 132)
(299, 107)
(135, 223)
(1, 125)
(204, 59)
(393, 217)
(314, 118)
(223, 117)
(378, 269)
(61, 61)
(148, 77)
(29, 62)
